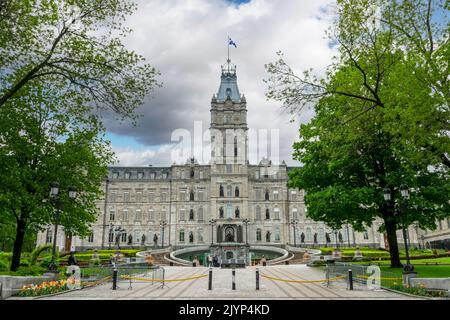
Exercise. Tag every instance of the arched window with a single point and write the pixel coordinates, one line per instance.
(192, 173)
(221, 191)
(221, 212)
(236, 192)
(302, 237)
(191, 195)
(258, 213)
(191, 214)
(258, 234)
(237, 213)
(267, 214)
(268, 233)
(266, 196)
(191, 237)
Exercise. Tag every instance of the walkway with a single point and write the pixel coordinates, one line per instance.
(245, 286)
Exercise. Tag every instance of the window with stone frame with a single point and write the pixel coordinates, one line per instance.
(124, 237)
(163, 196)
(200, 235)
(366, 235)
(112, 196)
(293, 195)
(126, 196)
(200, 194)
(112, 215)
(151, 197)
(275, 195)
(258, 234)
(200, 214)
(138, 196)
(164, 214)
(111, 236)
(125, 215)
(229, 191)
(140, 175)
(191, 214)
(127, 175)
(295, 213)
(267, 214)
(276, 213)
(182, 214)
(258, 193)
(138, 215)
(258, 213)
(151, 214)
(277, 233)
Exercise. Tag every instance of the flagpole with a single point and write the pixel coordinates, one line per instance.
(228, 61)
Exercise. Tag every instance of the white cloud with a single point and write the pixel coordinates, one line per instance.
(186, 40)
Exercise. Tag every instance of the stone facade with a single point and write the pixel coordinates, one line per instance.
(248, 202)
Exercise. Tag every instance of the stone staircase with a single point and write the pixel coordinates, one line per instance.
(297, 259)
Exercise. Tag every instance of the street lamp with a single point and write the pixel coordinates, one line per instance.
(163, 225)
(294, 225)
(54, 196)
(246, 222)
(404, 191)
(212, 222)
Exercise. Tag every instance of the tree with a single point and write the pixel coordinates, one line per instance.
(73, 45)
(40, 146)
(379, 121)
(402, 38)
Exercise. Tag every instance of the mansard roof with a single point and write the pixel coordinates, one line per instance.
(228, 88)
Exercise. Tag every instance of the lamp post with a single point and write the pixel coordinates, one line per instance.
(213, 223)
(294, 227)
(246, 222)
(404, 191)
(54, 196)
(163, 225)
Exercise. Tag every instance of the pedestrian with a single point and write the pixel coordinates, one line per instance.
(72, 261)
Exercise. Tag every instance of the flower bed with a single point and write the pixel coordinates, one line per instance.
(48, 287)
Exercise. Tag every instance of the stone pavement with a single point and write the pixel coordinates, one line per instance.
(245, 286)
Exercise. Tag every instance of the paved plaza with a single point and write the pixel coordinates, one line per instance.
(222, 286)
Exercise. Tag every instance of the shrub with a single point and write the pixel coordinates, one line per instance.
(4, 265)
(30, 271)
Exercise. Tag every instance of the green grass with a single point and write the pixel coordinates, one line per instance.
(422, 271)
(444, 260)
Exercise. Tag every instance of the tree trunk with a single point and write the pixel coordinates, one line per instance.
(18, 244)
(391, 232)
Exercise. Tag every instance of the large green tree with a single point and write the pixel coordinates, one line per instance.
(76, 46)
(381, 116)
(40, 146)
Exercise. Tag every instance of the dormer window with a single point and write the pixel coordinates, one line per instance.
(127, 175)
(140, 175)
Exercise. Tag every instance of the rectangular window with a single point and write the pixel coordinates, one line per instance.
(140, 175)
(125, 215)
(91, 237)
(229, 168)
(124, 237)
(201, 174)
(138, 215)
(200, 195)
(112, 215)
(127, 175)
(151, 197)
(151, 215)
(126, 196)
(275, 195)
(163, 197)
(112, 196)
(258, 194)
(181, 235)
(182, 214)
(276, 212)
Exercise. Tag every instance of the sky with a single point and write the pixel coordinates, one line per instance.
(186, 40)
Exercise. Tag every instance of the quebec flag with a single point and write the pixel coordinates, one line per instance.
(231, 43)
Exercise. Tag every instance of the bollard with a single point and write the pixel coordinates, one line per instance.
(210, 279)
(257, 279)
(350, 279)
(114, 287)
(233, 278)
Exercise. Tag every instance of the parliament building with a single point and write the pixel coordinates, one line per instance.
(228, 200)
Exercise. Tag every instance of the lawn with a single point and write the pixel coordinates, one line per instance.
(422, 271)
